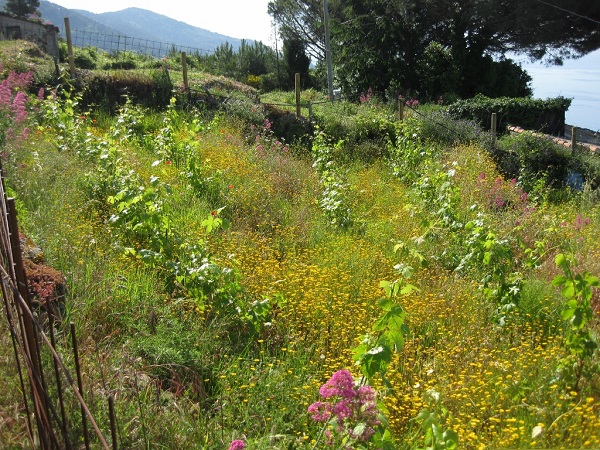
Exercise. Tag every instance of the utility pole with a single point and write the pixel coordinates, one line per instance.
(328, 49)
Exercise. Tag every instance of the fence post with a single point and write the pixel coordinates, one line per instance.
(70, 46)
(494, 126)
(573, 139)
(297, 83)
(310, 110)
(113, 421)
(185, 73)
(34, 367)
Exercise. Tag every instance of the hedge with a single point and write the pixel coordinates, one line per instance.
(546, 116)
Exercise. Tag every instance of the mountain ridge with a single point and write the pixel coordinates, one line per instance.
(136, 23)
(145, 24)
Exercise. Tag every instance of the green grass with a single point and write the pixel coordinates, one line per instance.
(197, 364)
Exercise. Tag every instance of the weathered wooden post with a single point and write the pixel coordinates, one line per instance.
(69, 47)
(310, 110)
(297, 83)
(113, 421)
(494, 126)
(28, 331)
(186, 86)
(573, 139)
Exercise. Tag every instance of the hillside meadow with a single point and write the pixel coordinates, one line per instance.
(222, 278)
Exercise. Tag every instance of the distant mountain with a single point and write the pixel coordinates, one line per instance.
(144, 24)
(137, 23)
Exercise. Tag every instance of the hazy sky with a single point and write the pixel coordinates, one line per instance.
(246, 19)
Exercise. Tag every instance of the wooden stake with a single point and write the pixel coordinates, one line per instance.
(297, 83)
(494, 126)
(70, 47)
(113, 421)
(186, 86)
(86, 437)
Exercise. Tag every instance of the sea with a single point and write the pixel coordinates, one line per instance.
(578, 79)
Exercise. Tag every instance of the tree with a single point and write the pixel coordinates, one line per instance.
(381, 43)
(297, 61)
(22, 8)
(301, 20)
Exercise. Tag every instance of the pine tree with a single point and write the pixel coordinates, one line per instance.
(22, 8)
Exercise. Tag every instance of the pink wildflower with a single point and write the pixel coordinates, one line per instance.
(237, 444)
(348, 405)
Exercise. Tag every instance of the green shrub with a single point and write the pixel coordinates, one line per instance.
(547, 116)
(110, 90)
(354, 123)
(533, 160)
(443, 129)
(85, 58)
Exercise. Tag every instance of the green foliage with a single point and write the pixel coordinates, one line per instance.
(538, 163)
(334, 197)
(437, 437)
(176, 141)
(487, 252)
(296, 61)
(375, 352)
(547, 115)
(209, 331)
(440, 129)
(438, 73)
(22, 8)
(85, 58)
(356, 124)
(110, 90)
(581, 341)
(408, 152)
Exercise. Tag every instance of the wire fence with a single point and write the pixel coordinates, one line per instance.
(119, 43)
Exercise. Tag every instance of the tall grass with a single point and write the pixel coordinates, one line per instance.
(196, 362)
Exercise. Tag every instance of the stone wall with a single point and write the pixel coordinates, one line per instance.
(45, 36)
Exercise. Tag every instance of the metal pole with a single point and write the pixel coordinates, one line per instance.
(328, 50)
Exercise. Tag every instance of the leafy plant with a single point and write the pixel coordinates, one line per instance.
(374, 354)
(333, 198)
(577, 312)
(436, 436)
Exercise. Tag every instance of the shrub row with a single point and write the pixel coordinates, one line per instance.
(547, 116)
(111, 90)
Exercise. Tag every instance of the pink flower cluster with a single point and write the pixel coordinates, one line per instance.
(13, 101)
(366, 97)
(348, 405)
(501, 194)
(579, 223)
(237, 444)
(267, 143)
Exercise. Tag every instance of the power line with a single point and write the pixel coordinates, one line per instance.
(569, 12)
